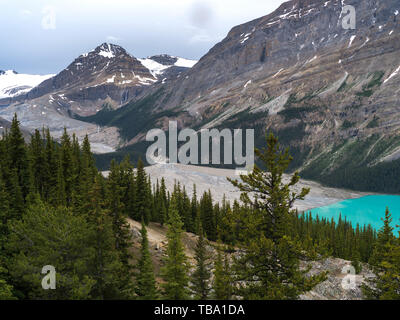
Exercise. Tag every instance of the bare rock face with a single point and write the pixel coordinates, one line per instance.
(164, 59)
(339, 285)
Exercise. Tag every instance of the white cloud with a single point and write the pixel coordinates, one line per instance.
(113, 39)
(49, 18)
(205, 38)
(25, 13)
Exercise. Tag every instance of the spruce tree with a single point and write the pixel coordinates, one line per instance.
(207, 216)
(145, 280)
(142, 201)
(176, 268)
(386, 265)
(201, 276)
(222, 283)
(116, 208)
(18, 156)
(270, 266)
(106, 268)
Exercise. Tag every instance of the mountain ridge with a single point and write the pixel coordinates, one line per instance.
(329, 93)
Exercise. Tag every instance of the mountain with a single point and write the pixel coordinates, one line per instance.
(104, 78)
(108, 74)
(13, 84)
(330, 94)
(165, 67)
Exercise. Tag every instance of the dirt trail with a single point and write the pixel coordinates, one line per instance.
(157, 236)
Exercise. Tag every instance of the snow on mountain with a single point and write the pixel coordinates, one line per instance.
(154, 67)
(157, 65)
(186, 63)
(13, 83)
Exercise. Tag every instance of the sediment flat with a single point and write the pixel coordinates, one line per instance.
(213, 179)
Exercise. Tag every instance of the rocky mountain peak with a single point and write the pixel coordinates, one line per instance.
(164, 59)
(106, 73)
(106, 50)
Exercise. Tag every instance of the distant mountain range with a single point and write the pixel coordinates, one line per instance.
(104, 78)
(13, 84)
(330, 94)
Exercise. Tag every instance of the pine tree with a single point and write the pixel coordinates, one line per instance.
(270, 255)
(175, 271)
(18, 156)
(201, 276)
(107, 269)
(67, 170)
(386, 265)
(146, 284)
(86, 177)
(222, 283)
(207, 216)
(384, 241)
(142, 209)
(6, 290)
(47, 236)
(164, 202)
(51, 169)
(116, 207)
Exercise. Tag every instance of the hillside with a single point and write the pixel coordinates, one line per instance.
(330, 289)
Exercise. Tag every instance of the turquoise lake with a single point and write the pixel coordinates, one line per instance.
(364, 211)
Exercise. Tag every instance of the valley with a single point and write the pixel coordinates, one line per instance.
(322, 101)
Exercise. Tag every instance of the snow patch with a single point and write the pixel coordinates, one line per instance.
(107, 52)
(393, 75)
(154, 67)
(13, 84)
(186, 63)
(247, 83)
(111, 80)
(276, 74)
(157, 69)
(351, 41)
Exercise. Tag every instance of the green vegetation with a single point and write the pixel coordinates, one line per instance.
(343, 86)
(57, 209)
(146, 283)
(201, 284)
(176, 269)
(269, 267)
(374, 123)
(386, 262)
(138, 111)
(348, 124)
(376, 81)
(351, 165)
(297, 112)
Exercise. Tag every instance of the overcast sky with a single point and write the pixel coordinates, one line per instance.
(45, 36)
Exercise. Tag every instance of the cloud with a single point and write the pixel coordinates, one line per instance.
(25, 13)
(49, 18)
(113, 39)
(201, 36)
(204, 38)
